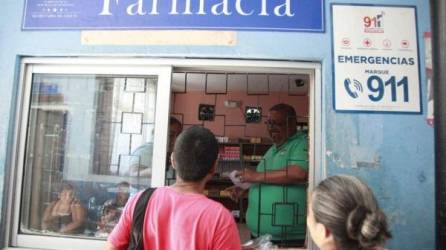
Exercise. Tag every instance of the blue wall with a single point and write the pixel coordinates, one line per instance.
(400, 145)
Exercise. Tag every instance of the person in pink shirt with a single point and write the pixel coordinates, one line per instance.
(181, 216)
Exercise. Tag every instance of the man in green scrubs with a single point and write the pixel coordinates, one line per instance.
(277, 198)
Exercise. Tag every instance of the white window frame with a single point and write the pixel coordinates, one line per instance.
(160, 138)
(146, 66)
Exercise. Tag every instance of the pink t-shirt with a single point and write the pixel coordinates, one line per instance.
(180, 221)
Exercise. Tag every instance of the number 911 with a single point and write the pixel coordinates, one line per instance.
(377, 86)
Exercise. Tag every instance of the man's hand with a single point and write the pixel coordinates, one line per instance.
(248, 175)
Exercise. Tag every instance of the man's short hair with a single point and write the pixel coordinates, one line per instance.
(286, 109)
(195, 152)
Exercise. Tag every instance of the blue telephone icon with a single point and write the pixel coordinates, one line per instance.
(352, 89)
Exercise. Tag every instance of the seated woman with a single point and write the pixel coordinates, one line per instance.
(344, 214)
(66, 215)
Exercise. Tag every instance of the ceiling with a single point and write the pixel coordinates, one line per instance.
(252, 83)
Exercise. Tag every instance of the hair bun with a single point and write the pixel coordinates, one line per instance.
(367, 227)
(355, 220)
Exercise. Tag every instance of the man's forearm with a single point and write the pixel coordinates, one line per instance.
(289, 175)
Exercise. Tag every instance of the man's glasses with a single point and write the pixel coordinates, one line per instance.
(274, 124)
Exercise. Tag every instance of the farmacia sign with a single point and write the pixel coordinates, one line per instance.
(274, 15)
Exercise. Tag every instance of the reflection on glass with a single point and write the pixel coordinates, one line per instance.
(88, 148)
(253, 114)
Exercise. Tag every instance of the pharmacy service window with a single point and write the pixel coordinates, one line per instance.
(92, 132)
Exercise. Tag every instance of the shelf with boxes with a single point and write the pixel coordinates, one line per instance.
(252, 153)
(238, 153)
(229, 152)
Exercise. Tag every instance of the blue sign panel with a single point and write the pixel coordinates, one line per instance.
(273, 15)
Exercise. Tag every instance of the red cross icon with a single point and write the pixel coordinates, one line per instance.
(367, 42)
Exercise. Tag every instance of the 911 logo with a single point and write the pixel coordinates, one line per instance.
(374, 24)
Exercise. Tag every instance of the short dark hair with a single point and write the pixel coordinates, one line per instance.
(195, 152)
(286, 109)
(173, 120)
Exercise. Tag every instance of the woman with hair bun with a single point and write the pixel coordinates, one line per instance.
(343, 214)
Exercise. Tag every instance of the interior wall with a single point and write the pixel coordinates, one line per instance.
(230, 122)
(393, 153)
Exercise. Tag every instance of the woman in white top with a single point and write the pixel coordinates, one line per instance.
(66, 215)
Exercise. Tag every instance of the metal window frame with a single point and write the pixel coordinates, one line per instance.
(163, 67)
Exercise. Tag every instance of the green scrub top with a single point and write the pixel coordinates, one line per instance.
(280, 209)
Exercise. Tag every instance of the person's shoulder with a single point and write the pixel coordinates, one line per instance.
(144, 147)
(299, 138)
(131, 204)
(215, 206)
(164, 190)
(270, 150)
(134, 198)
(76, 203)
(219, 214)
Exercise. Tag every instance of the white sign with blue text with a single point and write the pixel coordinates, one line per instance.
(375, 53)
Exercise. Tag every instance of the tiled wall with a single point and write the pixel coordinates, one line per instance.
(230, 122)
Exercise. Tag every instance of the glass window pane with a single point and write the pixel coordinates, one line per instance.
(88, 148)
